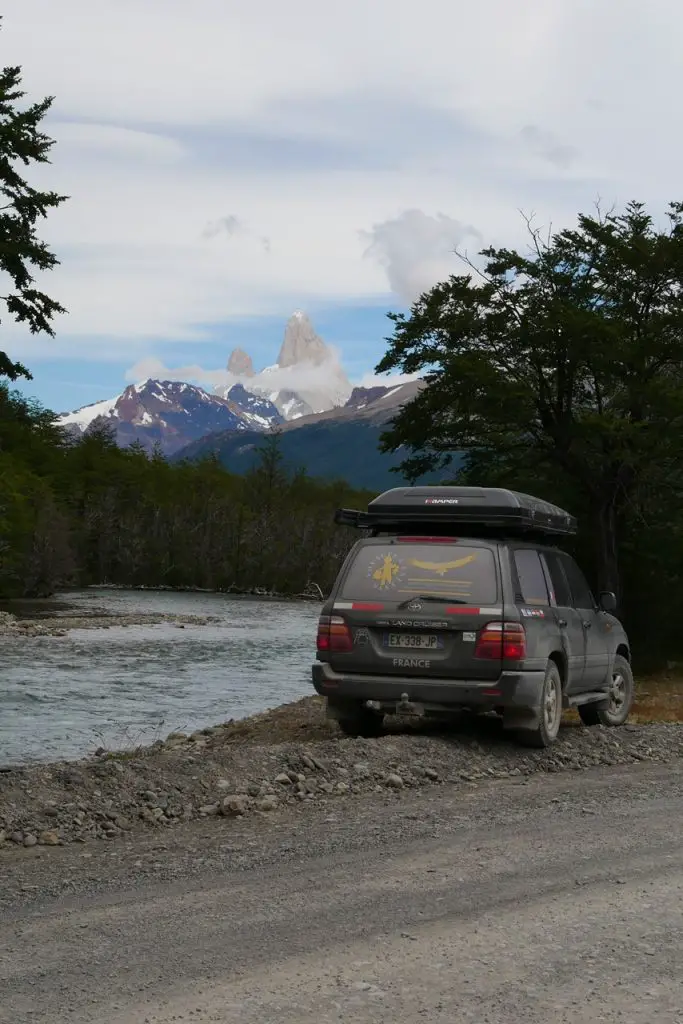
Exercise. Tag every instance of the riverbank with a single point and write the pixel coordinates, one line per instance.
(13, 627)
(284, 758)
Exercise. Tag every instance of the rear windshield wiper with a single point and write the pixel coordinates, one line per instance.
(431, 597)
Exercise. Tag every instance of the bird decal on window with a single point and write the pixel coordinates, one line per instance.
(441, 568)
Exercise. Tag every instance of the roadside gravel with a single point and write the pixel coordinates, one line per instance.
(286, 759)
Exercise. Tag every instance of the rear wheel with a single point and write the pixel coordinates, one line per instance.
(547, 726)
(361, 722)
(621, 693)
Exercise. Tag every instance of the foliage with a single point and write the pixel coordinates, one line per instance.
(22, 142)
(561, 371)
(90, 512)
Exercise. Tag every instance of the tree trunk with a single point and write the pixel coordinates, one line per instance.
(605, 528)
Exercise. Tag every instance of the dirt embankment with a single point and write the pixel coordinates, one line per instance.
(285, 757)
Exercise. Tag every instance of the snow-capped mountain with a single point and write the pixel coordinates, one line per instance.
(307, 383)
(307, 377)
(326, 444)
(173, 414)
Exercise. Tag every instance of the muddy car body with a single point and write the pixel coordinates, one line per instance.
(460, 598)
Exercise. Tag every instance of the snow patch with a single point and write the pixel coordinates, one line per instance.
(84, 417)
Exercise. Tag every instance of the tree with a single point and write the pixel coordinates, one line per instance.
(565, 363)
(21, 251)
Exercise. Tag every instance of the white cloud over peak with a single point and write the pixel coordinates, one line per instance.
(417, 250)
(229, 160)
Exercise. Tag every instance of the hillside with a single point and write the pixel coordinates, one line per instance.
(329, 449)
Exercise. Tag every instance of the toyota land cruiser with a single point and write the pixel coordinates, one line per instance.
(459, 598)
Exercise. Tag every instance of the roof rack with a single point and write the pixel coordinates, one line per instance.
(482, 510)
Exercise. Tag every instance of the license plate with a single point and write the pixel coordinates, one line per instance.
(421, 641)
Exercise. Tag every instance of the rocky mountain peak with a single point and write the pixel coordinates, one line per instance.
(240, 363)
(301, 344)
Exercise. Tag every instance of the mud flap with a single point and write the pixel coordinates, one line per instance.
(521, 718)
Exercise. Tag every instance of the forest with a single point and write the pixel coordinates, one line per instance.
(84, 512)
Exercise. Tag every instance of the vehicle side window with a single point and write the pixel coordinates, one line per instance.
(533, 589)
(558, 580)
(581, 592)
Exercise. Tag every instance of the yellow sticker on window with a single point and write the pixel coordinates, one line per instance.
(385, 571)
(441, 568)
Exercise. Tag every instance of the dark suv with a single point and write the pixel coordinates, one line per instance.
(458, 598)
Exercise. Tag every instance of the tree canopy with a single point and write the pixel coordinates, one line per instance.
(22, 253)
(562, 365)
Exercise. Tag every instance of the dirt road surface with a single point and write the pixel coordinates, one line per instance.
(559, 899)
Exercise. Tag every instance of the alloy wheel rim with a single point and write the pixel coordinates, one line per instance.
(551, 707)
(617, 693)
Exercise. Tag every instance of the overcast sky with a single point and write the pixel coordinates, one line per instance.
(228, 162)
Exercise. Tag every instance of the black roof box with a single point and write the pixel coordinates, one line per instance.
(425, 510)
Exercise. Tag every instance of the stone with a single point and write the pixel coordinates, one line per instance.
(225, 785)
(123, 823)
(268, 803)
(3, 836)
(16, 837)
(431, 773)
(308, 761)
(362, 770)
(30, 839)
(233, 806)
(253, 789)
(208, 810)
(49, 838)
(283, 779)
(342, 787)
(394, 781)
(240, 363)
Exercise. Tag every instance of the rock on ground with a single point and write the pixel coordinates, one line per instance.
(233, 771)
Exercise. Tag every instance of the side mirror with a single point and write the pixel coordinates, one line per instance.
(608, 602)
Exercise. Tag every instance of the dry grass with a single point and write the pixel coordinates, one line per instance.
(659, 698)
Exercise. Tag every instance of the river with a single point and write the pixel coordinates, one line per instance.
(62, 697)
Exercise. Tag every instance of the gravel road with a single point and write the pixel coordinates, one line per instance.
(553, 898)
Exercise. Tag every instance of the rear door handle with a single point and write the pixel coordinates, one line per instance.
(562, 623)
(587, 625)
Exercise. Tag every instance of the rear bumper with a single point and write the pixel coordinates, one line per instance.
(510, 690)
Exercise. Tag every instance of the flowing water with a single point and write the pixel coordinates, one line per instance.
(62, 697)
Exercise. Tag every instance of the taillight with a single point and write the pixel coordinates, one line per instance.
(333, 634)
(506, 640)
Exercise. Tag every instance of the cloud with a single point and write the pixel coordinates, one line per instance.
(324, 137)
(228, 226)
(547, 146)
(302, 377)
(417, 250)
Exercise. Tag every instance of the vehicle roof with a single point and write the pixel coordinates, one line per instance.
(484, 511)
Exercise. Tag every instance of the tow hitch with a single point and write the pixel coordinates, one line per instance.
(408, 707)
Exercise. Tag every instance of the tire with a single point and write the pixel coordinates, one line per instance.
(545, 731)
(621, 693)
(362, 723)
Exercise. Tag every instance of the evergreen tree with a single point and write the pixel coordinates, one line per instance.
(22, 254)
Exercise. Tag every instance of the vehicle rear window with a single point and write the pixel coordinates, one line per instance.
(397, 572)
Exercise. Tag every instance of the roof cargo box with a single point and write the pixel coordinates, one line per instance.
(480, 510)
